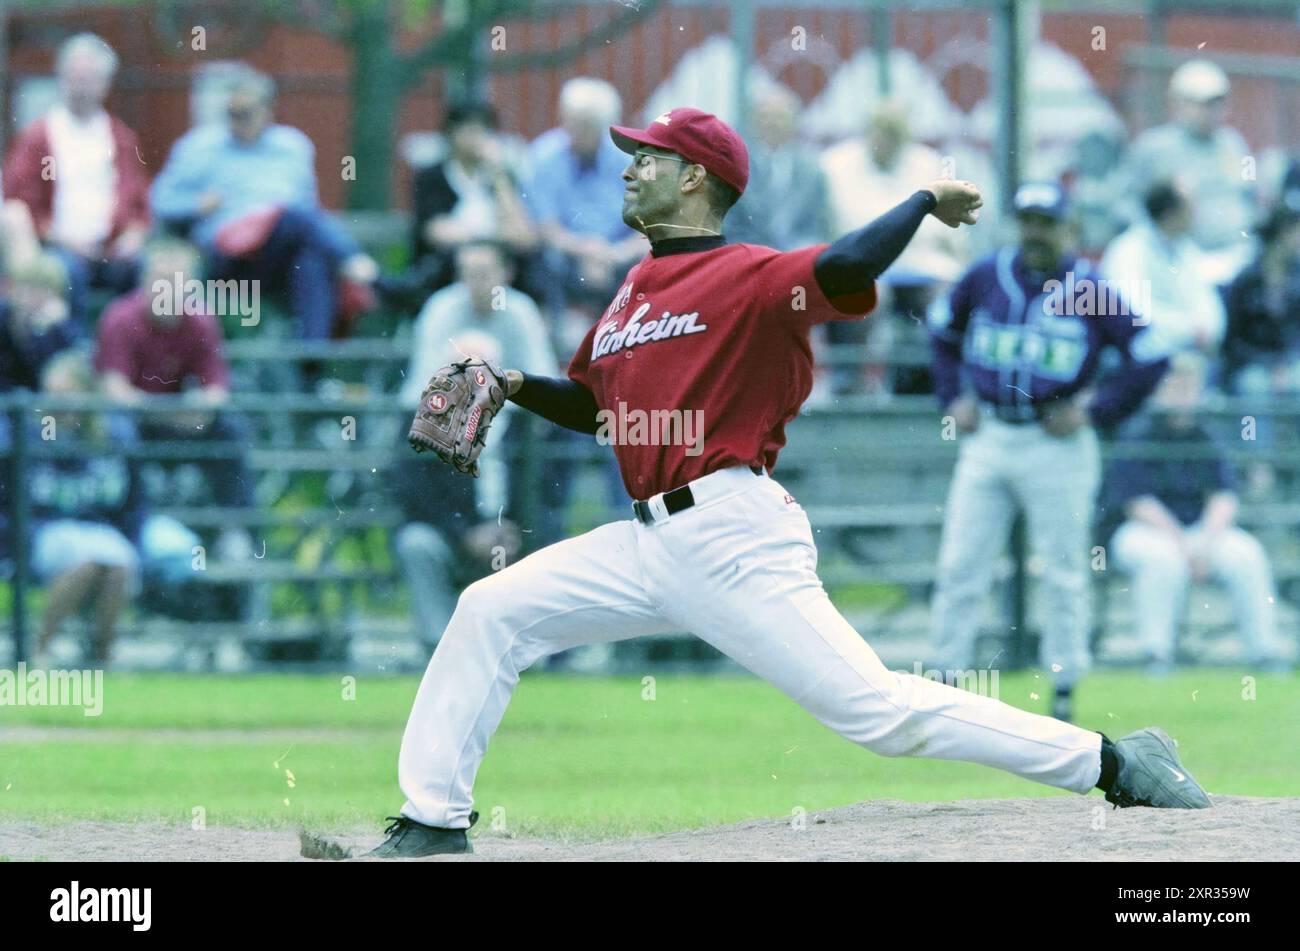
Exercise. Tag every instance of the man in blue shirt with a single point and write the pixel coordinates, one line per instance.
(575, 192)
(1016, 351)
(1178, 518)
(221, 181)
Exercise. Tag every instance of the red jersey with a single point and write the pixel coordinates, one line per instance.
(703, 357)
(157, 358)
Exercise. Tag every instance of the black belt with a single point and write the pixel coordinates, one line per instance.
(1017, 415)
(675, 500)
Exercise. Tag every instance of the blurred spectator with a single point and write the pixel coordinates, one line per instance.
(469, 195)
(1158, 255)
(246, 194)
(1262, 348)
(80, 172)
(1096, 186)
(447, 542)
(145, 348)
(480, 315)
(1202, 150)
(35, 320)
(785, 205)
(864, 178)
(482, 303)
(452, 518)
(575, 192)
(87, 514)
(1179, 526)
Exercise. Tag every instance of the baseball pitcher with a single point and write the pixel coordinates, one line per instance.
(715, 545)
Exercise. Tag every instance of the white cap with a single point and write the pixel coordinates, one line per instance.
(583, 95)
(1199, 80)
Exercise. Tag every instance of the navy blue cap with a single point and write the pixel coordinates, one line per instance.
(1041, 198)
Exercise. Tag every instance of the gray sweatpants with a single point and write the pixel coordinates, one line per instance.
(1002, 469)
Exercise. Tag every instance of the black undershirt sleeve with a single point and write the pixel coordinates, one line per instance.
(564, 402)
(852, 263)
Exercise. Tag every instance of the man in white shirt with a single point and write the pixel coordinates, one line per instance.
(1166, 274)
(480, 315)
(1201, 148)
(481, 302)
(864, 176)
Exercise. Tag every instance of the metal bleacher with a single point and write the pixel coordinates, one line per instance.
(322, 579)
(872, 477)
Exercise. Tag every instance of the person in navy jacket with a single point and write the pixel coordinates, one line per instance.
(1017, 349)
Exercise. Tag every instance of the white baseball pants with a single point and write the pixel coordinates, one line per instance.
(1161, 575)
(1003, 468)
(739, 570)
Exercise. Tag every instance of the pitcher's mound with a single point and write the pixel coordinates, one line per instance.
(1060, 828)
(1237, 829)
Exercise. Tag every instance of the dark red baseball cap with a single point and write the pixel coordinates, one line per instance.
(696, 136)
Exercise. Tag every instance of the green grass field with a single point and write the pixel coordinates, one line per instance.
(575, 757)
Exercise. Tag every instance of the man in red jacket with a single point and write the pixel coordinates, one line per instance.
(80, 173)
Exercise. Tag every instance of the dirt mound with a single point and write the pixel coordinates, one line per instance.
(1064, 829)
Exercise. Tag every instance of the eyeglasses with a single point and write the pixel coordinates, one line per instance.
(646, 160)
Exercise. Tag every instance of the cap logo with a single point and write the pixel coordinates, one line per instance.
(664, 119)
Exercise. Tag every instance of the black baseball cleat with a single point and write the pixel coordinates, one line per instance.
(1150, 774)
(408, 839)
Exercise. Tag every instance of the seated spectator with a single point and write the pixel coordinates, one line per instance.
(448, 541)
(1158, 253)
(575, 193)
(79, 171)
(245, 193)
(146, 348)
(35, 320)
(481, 301)
(87, 514)
(1199, 147)
(452, 516)
(1178, 526)
(469, 195)
(479, 315)
(864, 177)
(1261, 352)
(785, 203)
